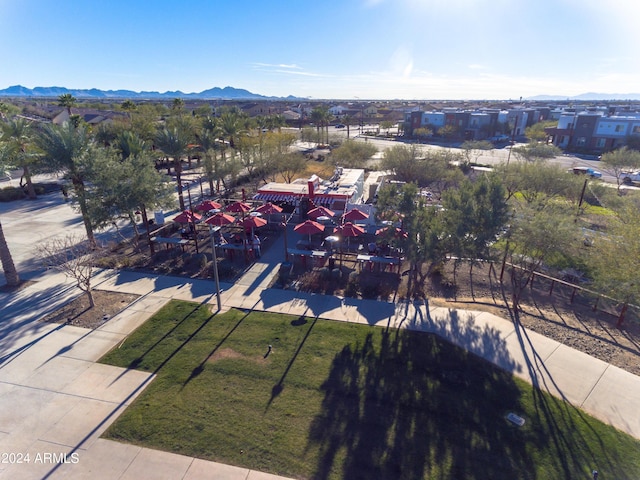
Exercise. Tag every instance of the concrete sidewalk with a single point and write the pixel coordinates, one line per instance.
(55, 398)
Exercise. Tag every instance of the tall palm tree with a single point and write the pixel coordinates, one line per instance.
(177, 106)
(321, 117)
(9, 268)
(128, 106)
(18, 133)
(348, 121)
(67, 101)
(232, 124)
(174, 144)
(67, 149)
(129, 144)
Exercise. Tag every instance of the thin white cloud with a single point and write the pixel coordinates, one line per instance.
(278, 65)
(302, 74)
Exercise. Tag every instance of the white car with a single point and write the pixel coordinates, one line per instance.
(629, 177)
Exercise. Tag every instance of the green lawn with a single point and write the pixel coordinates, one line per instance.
(336, 400)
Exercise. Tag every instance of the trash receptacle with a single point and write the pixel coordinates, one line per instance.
(159, 217)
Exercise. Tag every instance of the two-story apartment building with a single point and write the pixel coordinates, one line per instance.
(594, 130)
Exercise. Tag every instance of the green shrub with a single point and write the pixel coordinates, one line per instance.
(369, 290)
(200, 259)
(9, 194)
(351, 290)
(226, 270)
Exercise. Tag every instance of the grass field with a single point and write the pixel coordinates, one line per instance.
(334, 400)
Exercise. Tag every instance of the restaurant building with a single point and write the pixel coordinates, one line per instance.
(343, 189)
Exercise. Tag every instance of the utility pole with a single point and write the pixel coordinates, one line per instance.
(212, 230)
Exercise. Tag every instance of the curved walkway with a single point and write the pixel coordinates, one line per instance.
(56, 401)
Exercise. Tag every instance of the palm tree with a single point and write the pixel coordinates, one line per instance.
(232, 124)
(321, 117)
(9, 268)
(128, 106)
(129, 144)
(348, 121)
(67, 101)
(177, 105)
(174, 145)
(17, 133)
(67, 149)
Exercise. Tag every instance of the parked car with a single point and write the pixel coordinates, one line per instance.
(586, 171)
(629, 177)
(340, 125)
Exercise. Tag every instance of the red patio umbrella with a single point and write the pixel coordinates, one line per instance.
(349, 230)
(355, 214)
(220, 219)
(269, 209)
(238, 207)
(253, 222)
(208, 205)
(187, 217)
(308, 227)
(317, 212)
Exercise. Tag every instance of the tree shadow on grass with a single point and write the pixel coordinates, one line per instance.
(279, 387)
(200, 367)
(415, 407)
(557, 417)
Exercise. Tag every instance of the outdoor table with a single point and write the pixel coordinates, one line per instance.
(372, 259)
(171, 241)
(316, 254)
(229, 248)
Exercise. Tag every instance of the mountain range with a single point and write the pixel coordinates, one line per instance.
(590, 96)
(226, 93)
(231, 93)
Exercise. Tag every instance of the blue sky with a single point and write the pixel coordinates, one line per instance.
(382, 49)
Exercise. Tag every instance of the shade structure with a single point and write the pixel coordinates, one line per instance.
(349, 230)
(269, 209)
(355, 214)
(187, 217)
(253, 222)
(395, 231)
(220, 219)
(308, 227)
(317, 212)
(238, 207)
(208, 205)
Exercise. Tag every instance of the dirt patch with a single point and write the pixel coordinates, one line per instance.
(224, 353)
(78, 313)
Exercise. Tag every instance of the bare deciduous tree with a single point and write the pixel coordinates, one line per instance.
(73, 256)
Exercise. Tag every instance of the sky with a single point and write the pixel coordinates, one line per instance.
(326, 49)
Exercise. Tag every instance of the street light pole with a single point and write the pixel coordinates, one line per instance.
(215, 264)
(286, 250)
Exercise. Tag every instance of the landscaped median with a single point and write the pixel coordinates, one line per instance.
(310, 398)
